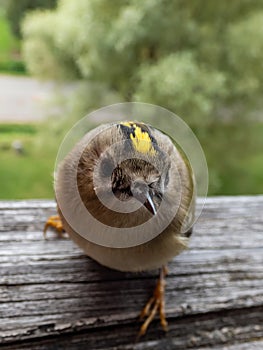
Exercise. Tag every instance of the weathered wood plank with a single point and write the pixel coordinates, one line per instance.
(54, 297)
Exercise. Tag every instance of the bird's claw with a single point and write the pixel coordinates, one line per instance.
(55, 222)
(155, 303)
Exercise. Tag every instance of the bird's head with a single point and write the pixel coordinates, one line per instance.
(135, 168)
(127, 174)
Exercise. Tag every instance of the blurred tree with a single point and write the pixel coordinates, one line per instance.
(17, 9)
(3, 4)
(198, 59)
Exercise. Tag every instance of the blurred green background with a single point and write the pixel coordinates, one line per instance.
(203, 60)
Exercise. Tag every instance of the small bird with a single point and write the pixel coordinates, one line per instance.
(134, 164)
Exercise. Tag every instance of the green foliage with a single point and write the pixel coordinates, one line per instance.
(176, 77)
(17, 129)
(47, 56)
(245, 47)
(12, 67)
(10, 60)
(234, 156)
(25, 175)
(17, 9)
(189, 57)
(200, 59)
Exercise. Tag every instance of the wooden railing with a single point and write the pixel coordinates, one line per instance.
(54, 297)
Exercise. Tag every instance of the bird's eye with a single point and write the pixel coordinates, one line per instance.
(152, 184)
(106, 167)
(156, 188)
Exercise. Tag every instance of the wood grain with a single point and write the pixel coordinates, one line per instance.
(54, 297)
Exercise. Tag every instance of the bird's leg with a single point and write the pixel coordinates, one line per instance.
(55, 222)
(155, 303)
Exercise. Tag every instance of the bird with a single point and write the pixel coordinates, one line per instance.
(140, 167)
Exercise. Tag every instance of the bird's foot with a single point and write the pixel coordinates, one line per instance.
(54, 222)
(155, 303)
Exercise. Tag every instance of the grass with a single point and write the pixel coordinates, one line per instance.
(26, 175)
(10, 57)
(21, 129)
(235, 158)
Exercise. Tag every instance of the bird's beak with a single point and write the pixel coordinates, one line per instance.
(143, 194)
(149, 204)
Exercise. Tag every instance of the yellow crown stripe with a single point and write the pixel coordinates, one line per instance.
(129, 124)
(141, 139)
